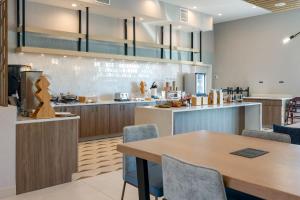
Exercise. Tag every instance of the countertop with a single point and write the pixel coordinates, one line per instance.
(28, 120)
(198, 108)
(105, 103)
(269, 98)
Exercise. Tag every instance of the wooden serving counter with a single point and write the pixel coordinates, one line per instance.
(273, 109)
(46, 152)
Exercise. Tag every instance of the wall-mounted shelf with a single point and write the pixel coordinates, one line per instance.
(22, 45)
(59, 52)
(102, 38)
(50, 32)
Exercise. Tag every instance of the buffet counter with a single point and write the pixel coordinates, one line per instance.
(231, 118)
(46, 152)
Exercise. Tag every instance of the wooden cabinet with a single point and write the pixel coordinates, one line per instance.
(273, 110)
(46, 154)
(116, 119)
(102, 125)
(73, 109)
(121, 115)
(88, 121)
(128, 114)
(102, 120)
(59, 109)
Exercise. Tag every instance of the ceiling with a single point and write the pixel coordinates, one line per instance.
(277, 5)
(230, 9)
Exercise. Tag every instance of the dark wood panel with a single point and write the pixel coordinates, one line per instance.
(3, 54)
(88, 121)
(46, 154)
(128, 114)
(74, 110)
(101, 120)
(102, 126)
(116, 118)
(273, 111)
(59, 109)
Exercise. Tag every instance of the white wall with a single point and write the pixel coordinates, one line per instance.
(83, 76)
(8, 117)
(251, 50)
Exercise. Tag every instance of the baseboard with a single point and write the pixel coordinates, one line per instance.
(7, 192)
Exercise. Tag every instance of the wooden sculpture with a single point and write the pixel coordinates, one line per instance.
(44, 110)
(143, 87)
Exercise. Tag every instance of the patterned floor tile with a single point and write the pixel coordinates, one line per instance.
(98, 157)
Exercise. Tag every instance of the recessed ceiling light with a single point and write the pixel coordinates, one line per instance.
(194, 7)
(220, 14)
(141, 19)
(74, 5)
(280, 4)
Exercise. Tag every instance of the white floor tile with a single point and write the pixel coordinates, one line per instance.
(104, 187)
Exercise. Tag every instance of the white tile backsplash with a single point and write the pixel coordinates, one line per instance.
(99, 77)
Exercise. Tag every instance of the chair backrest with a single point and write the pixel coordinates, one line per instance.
(279, 137)
(136, 133)
(292, 132)
(186, 181)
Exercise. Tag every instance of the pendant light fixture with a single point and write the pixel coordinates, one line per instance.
(288, 39)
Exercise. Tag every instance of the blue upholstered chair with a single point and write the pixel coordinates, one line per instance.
(294, 133)
(279, 137)
(184, 181)
(136, 133)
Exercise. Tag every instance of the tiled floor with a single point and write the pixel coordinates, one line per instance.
(103, 187)
(98, 157)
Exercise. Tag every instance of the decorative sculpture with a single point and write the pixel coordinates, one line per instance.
(44, 110)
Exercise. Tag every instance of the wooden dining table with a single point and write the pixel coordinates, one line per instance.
(275, 175)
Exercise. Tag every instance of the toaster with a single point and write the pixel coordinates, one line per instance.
(121, 96)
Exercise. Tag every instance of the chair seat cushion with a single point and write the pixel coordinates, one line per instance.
(294, 133)
(155, 179)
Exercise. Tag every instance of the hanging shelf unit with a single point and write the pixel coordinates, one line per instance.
(22, 30)
(60, 52)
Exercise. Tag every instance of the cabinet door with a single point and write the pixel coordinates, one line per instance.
(277, 115)
(59, 109)
(88, 121)
(76, 110)
(267, 116)
(102, 125)
(128, 114)
(116, 118)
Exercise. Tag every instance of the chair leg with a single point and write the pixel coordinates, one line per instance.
(123, 191)
(156, 198)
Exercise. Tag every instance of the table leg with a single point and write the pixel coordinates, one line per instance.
(143, 179)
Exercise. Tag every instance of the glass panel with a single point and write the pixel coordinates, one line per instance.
(200, 84)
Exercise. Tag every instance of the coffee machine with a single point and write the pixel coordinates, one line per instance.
(21, 87)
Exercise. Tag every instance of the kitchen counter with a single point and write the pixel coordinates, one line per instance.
(105, 103)
(46, 152)
(199, 108)
(230, 118)
(269, 98)
(273, 108)
(28, 120)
